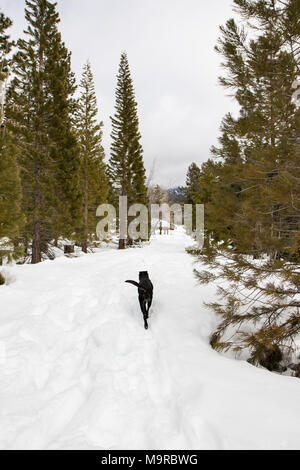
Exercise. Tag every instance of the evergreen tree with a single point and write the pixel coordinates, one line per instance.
(199, 188)
(93, 171)
(11, 218)
(39, 115)
(126, 169)
(192, 189)
(65, 151)
(5, 45)
(254, 205)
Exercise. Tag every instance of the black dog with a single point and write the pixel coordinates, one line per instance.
(145, 288)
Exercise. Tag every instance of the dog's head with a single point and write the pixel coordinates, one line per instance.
(143, 275)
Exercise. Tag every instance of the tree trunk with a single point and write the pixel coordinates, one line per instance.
(160, 228)
(36, 244)
(36, 256)
(69, 249)
(86, 207)
(122, 244)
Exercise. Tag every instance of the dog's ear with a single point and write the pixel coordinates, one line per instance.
(144, 274)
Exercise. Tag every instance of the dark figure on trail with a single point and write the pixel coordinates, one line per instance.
(145, 289)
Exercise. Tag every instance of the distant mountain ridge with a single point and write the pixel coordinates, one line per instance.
(176, 194)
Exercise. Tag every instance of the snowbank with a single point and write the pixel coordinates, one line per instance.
(78, 371)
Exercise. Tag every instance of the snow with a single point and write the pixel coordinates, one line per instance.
(78, 371)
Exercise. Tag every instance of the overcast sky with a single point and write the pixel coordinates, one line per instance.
(170, 46)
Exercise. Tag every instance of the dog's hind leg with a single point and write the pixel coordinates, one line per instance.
(143, 304)
(146, 315)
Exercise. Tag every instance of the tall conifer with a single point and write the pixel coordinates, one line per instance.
(93, 178)
(255, 202)
(11, 218)
(65, 148)
(126, 167)
(39, 115)
(192, 189)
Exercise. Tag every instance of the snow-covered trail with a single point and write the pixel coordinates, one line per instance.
(80, 372)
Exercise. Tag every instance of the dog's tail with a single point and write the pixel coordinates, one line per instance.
(136, 284)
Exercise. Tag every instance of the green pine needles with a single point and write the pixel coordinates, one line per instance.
(39, 115)
(126, 169)
(53, 175)
(11, 217)
(253, 210)
(94, 184)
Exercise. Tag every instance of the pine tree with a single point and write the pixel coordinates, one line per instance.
(200, 187)
(192, 189)
(126, 169)
(39, 115)
(93, 170)
(255, 202)
(65, 151)
(5, 45)
(11, 218)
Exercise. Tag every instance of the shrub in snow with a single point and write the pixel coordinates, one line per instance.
(268, 357)
(296, 369)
